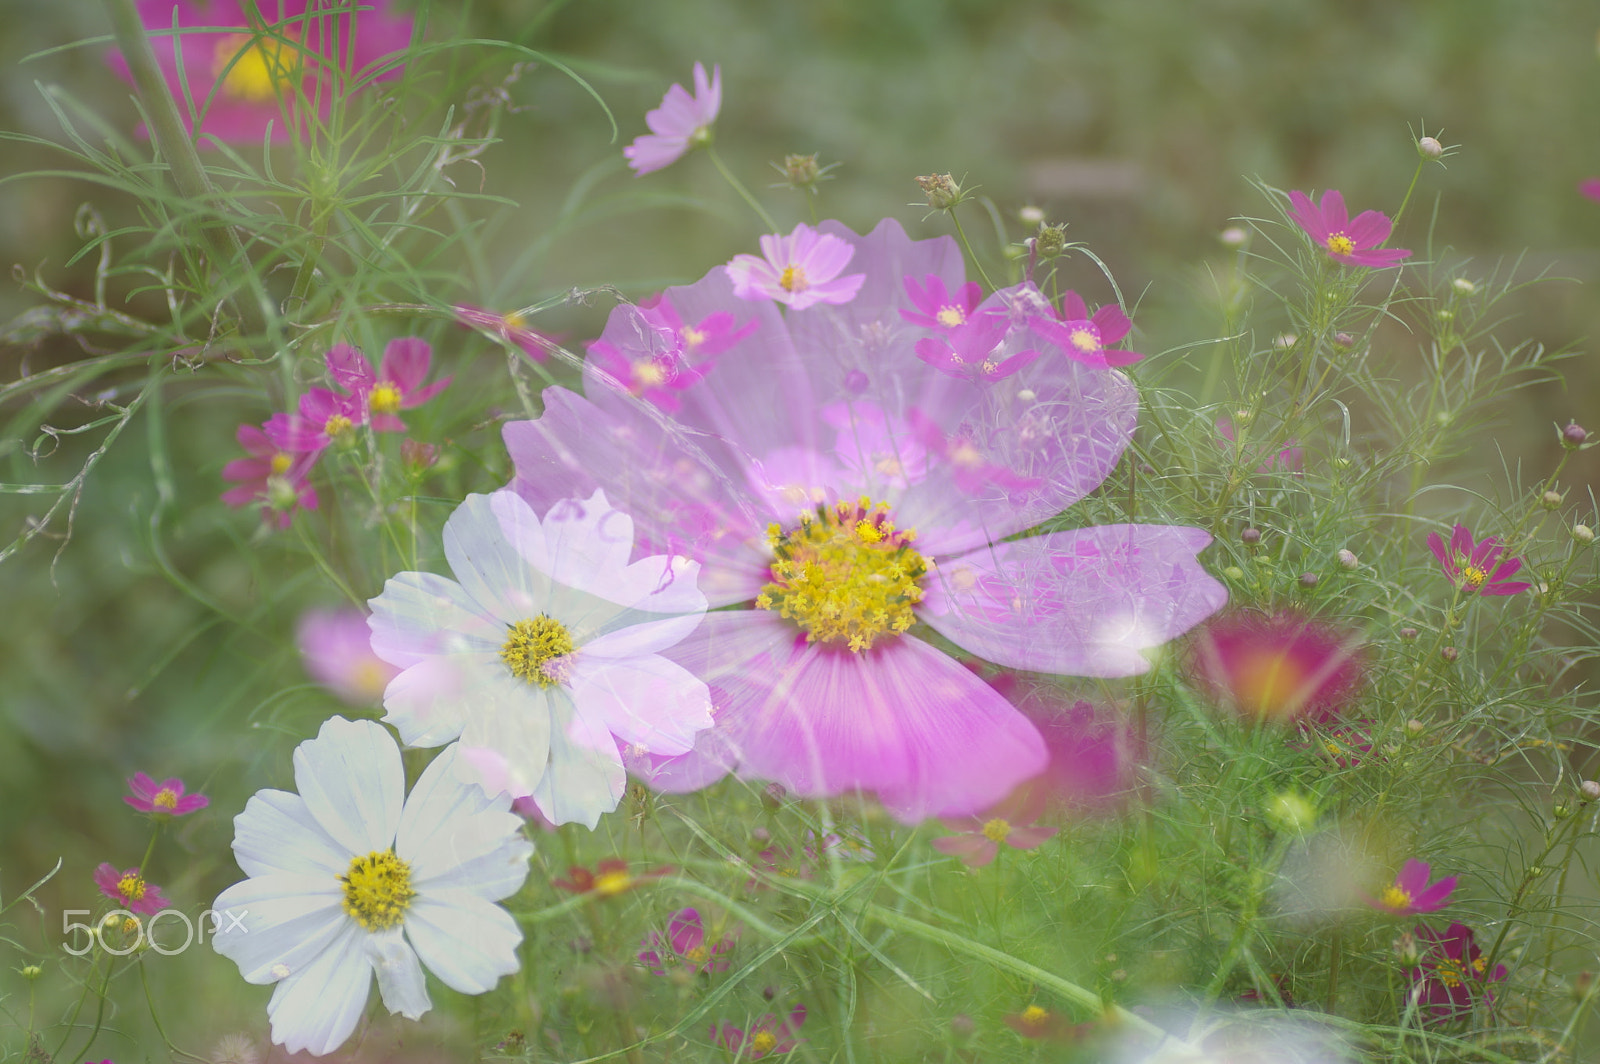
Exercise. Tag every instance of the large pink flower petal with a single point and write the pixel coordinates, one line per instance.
(1369, 229)
(1085, 603)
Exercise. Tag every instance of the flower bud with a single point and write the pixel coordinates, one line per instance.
(1415, 726)
(282, 495)
(1573, 435)
(1030, 215)
(942, 191)
(1408, 634)
(774, 795)
(1292, 811)
(1251, 536)
(1051, 241)
(1347, 560)
(1284, 341)
(1234, 236)
(1233, 572)
(1309, 579)
(1562, 810)
(1590, 790)
(801, 171)
(1343, 340)
(1582, 985)
(1405, 949)
(31, 972)
(1583, 533)
(1551, 500)
(961, 1026)
(1430, 148)
(1449, 654)
(417, 457)
(1464, 286)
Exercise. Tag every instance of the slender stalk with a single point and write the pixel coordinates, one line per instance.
(738, 186)
(966, 246)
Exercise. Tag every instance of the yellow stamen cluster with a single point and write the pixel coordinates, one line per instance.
(337, 426)
(997, 830)
(537, 649)
(131, 887)
(1033, 1015)
(1473, 576)
(1340, 244)
(950, 316)
(793, 279)
(384, 399)
(610, 884)
(279, 464)
(166, 798)
(763, 1042)
(698, 955)
(1449, 972)
(377, 890)
(1085, 340)
(263, 63)
(845, 574)
(1396, 899)
(691, 337)
(647, 374)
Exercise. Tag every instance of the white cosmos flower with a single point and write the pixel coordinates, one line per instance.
(350, 879)
(545, 656)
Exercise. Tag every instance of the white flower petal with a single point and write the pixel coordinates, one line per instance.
(401, 984)
(430, 703)
(585, 777)
(482, 541)
(316, 1008)
(647, 634)
(514, 718)
(273, 920)
(452, 834)
(467, 942)
(647, 701)
(277, 833)
(420, 615)
(587, 543)
(353, 783)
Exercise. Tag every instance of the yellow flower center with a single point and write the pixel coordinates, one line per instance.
(648, 375)
(377, 890)
(131, 887)
(845, 574)
(252, 66)
(950, 316)
(1449, 972)
(1086, 340)
(691, 337)
(763, 1042)
(514, 319)
(1340, 244)
(337, 425)
(997, 830)
(280, 464)
(697, 955)
(1473, 576)
(793, 279)
(166, 798)
(1033, 1015)
(1396, 899)
(1269, 683)
(537, 651)
(130, 924)
(384, 399)
(610, 884)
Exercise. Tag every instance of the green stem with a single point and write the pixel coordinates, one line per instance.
(966, 245)
(1415, 174)
(738, 186)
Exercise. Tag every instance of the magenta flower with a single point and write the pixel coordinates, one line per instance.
(1087, 338)
(280, 56)
(1291, 457)
(1411, 893)
(271, 476)
(664, 355)
(397, 384)
(324, 417)
(967, 353)
(336, 649)
(1280, 666)
(1590, 188)
(166, 798)
(769, 1034)
(937, 308)
(1475, 567)
(685, 945)
(1450, 975)
(978, 838)
(511, 328)
(129, 889)
(1352, 242)
(680, 123)
(841, 491)
(1093, 750)
(798, 270)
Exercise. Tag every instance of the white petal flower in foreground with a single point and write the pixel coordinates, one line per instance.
(351, 879)
(545, 656)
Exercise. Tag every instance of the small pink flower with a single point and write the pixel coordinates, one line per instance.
(1281, 666)
(129, 890)
(271, 476)
(798, 270)
(397, 384)
(680, 123)
(1010, 821)
(1411, 893)
(938, 308)
(336, 649)
(324, 417)
(1291, 458)
(511, 328)
(686, 945)
(1087, 338)
(166, 798)
(1353, 242)
(1451, 976)
(660, 355)
(769, 1034)
(1590, 188)
(1475, 567)
(1040, 1023)
(970, 351)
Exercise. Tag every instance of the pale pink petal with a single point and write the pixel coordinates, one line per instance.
(646, 700)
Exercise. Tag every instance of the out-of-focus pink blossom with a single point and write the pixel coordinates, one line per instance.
(166, 798)
(665, 355)
(1353, 242)
(1411, 893)
(1279, 666)
(1451, 976)
(396, 384)
(510, 328)
(279, 480)
(937, 308)
(684, 947)
(336, 648)
(324, 417)
(799, 270)
(977, 839)
(1590, 188)
(1291, 458)
(968, 353)
(769, 1034)
(680, 123)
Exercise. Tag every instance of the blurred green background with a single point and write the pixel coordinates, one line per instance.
(1136, 121)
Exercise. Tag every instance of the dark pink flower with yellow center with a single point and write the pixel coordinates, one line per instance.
(1451, 974)
(1353, 242)
(1475, 566)
(681, 122)
(1088, 338)
(276, 478)
(166, 798)
(325, 417)
(236, 66)
(609, 878)
(1279, 666)
(664, 354)
(685, 946)
(395, 386)
(512, 328)
(969, 352)
(1039, 1023)
(129, 889)
(798, 270)
(336, 649)
(1590, 188)
(1010, 822)
(769, 1034)
(1411, 893)
(937, 308)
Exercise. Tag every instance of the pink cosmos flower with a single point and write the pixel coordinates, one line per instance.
(1093, 750)
(336, 649)
(1280, 666)
(680, 123)
(276, 478)
(1590, 188)
(1474, 566)
(1039, 1023)
(397, 384)
(1011, 821)
(937, 308)
(1450, 977)
(1087, 338)
(685, 946)
(1411, 893)
(769, 1034)
(798, 270)
(1291, 457)
(827, 477)
(966, 353)
(1352, 242)
(166, 798)
(610, 878)
(511, 328)
(666, 355)
(323, 418)
(129, 889)
(246, 64)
